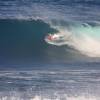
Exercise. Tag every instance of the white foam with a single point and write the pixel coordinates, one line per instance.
(50, 98)
(88, 46)
(82, 39)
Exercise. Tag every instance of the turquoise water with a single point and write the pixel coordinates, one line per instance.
(87, 29)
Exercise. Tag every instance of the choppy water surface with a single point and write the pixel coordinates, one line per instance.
(50, 84)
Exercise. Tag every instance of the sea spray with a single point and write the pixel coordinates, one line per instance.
(82, 37)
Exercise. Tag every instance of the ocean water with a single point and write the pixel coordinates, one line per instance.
(33, 69)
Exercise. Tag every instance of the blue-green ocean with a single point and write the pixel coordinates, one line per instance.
(34, 69)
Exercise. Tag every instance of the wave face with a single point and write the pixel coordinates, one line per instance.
(25, 23)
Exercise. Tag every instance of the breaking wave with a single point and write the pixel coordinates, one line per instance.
(25, 23)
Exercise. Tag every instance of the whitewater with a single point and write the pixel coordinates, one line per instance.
(82, 37)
